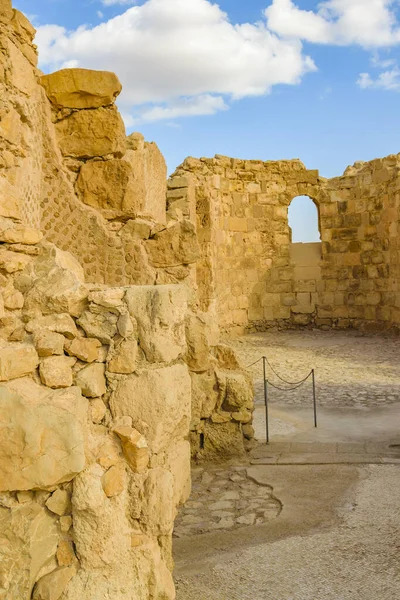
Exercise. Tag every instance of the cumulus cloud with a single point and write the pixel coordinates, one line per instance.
(368, 23)
(387, 80)
(178, 57)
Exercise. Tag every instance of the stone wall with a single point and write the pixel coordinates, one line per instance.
(246, 275)
(104, 391)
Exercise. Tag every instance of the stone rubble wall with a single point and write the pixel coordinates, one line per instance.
(96, 414)
(245, 275)
(105, 392)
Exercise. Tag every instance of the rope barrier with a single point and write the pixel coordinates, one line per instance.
(295, 386)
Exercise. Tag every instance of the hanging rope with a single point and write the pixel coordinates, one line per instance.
(284, 380)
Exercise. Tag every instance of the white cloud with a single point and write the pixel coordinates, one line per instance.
(181, 57)
(114, 2)
(387, 80)
(368, 23)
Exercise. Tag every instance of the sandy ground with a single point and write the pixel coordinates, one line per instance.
(337, 537)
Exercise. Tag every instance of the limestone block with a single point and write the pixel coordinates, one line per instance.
(91, 380)
(28, 543)
(52, 586)
(101, 325)
(13, 299)
(158, 509)
(90, 133)
(126, 326)
(97, 410)
(60, 503)
(114, 481)
(160, 314)
(124, 360)
(239, 392)
(65, 554)
(23, 27)
(178, 462)
(56, 371)
(65, 523)
(159, 403)
(42, 435)
(11, 262)
(6, 10)
(62, 323)
(108, 298)
(56, 283)
(134, 447)
(175, 245)
(86, 349)
(109, 186)
(150, 173)
(223, 440)
(21, 235)
(198, 350)
(205, 393)
(138, 228)
(226, 357)
(17, 360)
(81, 88)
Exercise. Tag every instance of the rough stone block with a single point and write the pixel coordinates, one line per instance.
(17, 360)
(81, 88)
(159, 403)
(42, 435)
(160, 313)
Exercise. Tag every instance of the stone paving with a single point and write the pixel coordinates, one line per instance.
(357, 559)
(224, 499)
(352, 369)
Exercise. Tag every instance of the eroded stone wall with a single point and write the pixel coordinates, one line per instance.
(104, 391)
(246, 275)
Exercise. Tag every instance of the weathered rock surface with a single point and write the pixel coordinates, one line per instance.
(91, 133)
(160, 315)
(81, 88)
(109, 186)
(28, 544)
(17, 360)
(42, 441)
(91, 380)
(56, 371)
(158, 402)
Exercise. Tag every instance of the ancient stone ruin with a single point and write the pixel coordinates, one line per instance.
(115, 284)
(104, 391)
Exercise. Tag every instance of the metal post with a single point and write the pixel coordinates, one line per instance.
(266, 397)
(315, 399)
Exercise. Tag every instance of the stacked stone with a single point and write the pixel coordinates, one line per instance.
(251, 274)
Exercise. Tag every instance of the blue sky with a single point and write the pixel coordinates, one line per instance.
(269, 79)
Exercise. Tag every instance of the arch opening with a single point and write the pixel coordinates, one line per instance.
(303, 216)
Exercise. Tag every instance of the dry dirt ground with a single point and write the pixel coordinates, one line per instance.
(336, 536)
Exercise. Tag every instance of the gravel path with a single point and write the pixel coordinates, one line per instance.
(358, 559)
(352, 369)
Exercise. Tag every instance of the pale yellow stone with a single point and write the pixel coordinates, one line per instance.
(42, 441)
(124, 360)
(56, 371)
(65, 523)
(61, 323)
(11, 262)
(65, 554)
(97, 410)
(81, 88)
(175, 245)
(134, 447)
(109, 186)
(48, 342)
(86, 349)
(91, 133)
(60, 502)
(52, 586)
(114, 481)
(159, 403)
(17, 360)
(21, 235)
(160, 315)
(91, 380)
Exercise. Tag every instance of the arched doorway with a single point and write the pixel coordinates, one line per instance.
(303, 220)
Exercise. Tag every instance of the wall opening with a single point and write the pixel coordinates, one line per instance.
(304, 220)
